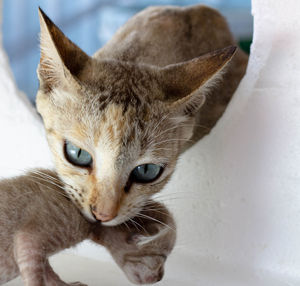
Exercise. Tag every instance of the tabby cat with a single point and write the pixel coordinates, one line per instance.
(116, 122)
(37, 220)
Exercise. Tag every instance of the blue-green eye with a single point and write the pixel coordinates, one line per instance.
(146, 173)
(77, 156)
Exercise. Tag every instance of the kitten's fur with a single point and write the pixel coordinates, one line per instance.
(136, 101)
(38, 220)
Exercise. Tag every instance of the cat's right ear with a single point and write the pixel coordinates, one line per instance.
(185, 84)
(61, 61)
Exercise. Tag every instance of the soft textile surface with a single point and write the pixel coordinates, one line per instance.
(23, 144)
(239, 187)
(236, 193)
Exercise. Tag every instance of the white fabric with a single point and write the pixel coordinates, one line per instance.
(235, 194)
(22, 140)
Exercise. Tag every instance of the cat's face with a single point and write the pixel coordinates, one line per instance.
(115, 128)
(123, 131)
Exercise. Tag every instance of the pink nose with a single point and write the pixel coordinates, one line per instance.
(103, 216)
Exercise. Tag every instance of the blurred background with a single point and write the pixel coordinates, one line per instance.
(90, 24)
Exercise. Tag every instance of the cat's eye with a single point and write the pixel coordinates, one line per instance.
(146, 173)
(77, 156)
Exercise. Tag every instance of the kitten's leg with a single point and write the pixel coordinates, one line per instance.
(154, 244)
(30, 258)
(52, 279)
(141, 250)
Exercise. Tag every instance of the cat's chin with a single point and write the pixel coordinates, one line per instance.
(113, 222)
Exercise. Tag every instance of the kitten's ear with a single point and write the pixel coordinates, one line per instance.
(61, 60)
(185, 83)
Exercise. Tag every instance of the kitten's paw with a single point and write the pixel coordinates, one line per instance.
(144, 270)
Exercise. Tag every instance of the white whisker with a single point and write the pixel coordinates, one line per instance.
(156, 220)
(136, 223)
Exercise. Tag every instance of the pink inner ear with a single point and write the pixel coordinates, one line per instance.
(189, 105)
(59, 55)
(180, 80)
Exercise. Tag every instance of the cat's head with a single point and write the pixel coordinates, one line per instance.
(116, 128)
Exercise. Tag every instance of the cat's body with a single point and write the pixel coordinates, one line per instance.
(38, 220)
(117, 122)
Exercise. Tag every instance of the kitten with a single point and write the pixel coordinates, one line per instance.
(38, 220)
(117, 122)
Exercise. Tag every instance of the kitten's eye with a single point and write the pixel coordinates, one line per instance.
(146, 173)
(77, 156)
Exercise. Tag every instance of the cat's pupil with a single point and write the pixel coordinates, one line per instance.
(146, 173)
(76, 155)
(143, 168)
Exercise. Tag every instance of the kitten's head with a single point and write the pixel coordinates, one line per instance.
(116, 128)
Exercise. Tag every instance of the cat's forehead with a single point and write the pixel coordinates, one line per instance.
(113, 123)
(116, 129)
(121, 82)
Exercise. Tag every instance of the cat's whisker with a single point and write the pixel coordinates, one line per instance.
(196, 125)
(153, 206)
(46, 175)
(179, 126)
(37, 172)
(171, 140)
(136, 223)
(173, 193)
(158, 124)
(174, 196)
(48, 181)
(158, 211)
(165, 149)
(133, 223)
(156, 220)
(176, 127)
(49, 188)
(31, 178)
(125, 223)
(184, 193)
(171, 200)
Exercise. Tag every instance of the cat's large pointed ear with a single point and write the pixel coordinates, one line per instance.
(185, 83)
(61, 60)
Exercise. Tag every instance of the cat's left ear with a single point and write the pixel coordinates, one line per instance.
(61, 60)
(185, 84)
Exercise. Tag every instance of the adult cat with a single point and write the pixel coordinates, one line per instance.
(117, 122)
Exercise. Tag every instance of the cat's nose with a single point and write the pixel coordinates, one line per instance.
(104, 217)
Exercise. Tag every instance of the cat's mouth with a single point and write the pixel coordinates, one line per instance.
(88, 214)
(92, 214)
(92, 218)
